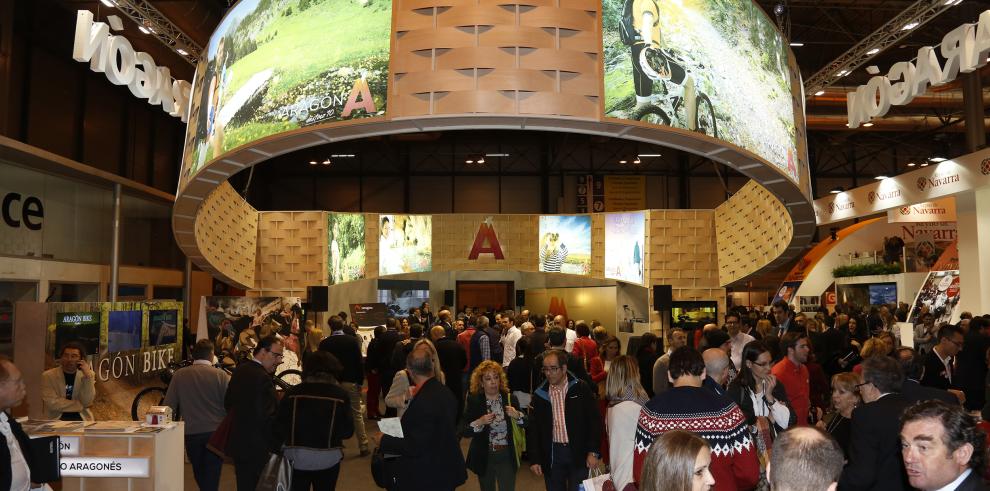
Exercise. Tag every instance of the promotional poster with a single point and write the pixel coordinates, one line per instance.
(404, 244)
(715, 67)
(272, 66)
(625, 236)
(402, 296)
(124, 330)
(345, 239)
(940, 295)
(924, 243)
(237, 323)
(565, 244)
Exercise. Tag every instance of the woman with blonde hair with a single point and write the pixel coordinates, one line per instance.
(313, 336)
(845, 398)
(625, 395)
(494, 425)
(677, 461)
(399, 395)
(872, 347)
(763, 328)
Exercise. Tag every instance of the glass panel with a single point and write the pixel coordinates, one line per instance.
(12, 292)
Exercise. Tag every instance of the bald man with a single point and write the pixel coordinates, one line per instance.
(717, 368)
(805, 458)
(561, 322)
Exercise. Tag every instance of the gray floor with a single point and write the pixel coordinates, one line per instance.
(356, 473)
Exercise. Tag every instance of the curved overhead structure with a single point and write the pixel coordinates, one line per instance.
(269, 84)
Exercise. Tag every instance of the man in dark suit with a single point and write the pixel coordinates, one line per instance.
(912, 390)
(347, 349)
(942, 448)
(431, 455)
(940, 361)
(452, 360)
(251, 396)
(782, 314)
(875, 461)
(15, 459)
(971, 366)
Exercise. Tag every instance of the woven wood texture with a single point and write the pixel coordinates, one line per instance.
(227, 235)
(753, 228)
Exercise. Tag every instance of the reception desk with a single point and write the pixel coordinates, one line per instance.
(111, 455)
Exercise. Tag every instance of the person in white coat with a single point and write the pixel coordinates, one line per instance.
(625, 396)
(68, 390)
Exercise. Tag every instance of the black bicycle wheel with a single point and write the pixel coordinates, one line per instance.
(287, 379)
(704, 117)
(152, 396)
(651, 114)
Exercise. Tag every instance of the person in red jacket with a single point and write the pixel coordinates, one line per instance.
(792, 372)
(585, 348)
(689, 406)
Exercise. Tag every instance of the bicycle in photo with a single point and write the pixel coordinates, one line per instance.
(674, 83)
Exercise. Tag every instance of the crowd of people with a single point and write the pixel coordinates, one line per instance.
(782, 401)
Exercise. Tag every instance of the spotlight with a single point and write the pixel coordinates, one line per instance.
(911, 164)
(623, 161)
(881, 177)
(873, 51)
(313, 162)
(938, 159)
(326, 162)
(182, 52)
(144, 30)
(481, 160)
(836, 190)
(924, 164)
(867, 124)
(469, 161)
(797, 45)
(637, 161)
(909, 26)
(820, 92)
(108, 3)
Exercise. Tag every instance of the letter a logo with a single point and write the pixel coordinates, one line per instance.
(367, 102)
(486, 234)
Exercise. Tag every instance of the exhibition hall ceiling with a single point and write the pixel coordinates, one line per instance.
(824, 29)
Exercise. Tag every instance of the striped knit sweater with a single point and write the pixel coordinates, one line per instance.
(713, 417)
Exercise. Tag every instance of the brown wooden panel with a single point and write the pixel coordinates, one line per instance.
(475, 15)
(405, 62)
(510, 35)
(436, 81)
(524, 3)
(517, 79)
(581, 84)
(587, 41)
(562, 104)
(476, 57)
(567, 18)
(553, 59)
(475, 101)
(445, 37)
(414, 21)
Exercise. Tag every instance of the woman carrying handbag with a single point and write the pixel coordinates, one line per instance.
(495, 426)
(314, 418)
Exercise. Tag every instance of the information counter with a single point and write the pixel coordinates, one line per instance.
(116, 454)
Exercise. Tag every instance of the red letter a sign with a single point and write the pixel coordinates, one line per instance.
(486, 234)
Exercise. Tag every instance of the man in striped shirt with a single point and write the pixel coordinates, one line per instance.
(564, 430)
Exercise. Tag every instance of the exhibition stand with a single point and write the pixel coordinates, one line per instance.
(116, 455)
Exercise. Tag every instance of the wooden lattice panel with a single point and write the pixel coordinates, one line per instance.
(753, 228)
(227, 234)
(454, 236)
(495, 57)
(681, 253)
(292, 252)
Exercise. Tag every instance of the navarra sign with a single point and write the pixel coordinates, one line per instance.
(114, 56)
(965, 50)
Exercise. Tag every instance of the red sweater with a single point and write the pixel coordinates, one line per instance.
(796, 383)
(713, 417)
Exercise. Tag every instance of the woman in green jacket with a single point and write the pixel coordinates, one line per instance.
(494, 424)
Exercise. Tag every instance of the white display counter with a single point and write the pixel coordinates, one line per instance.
(116, 454)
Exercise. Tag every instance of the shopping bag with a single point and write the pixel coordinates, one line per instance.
(598, 480)
(277, 474)
(218, 440)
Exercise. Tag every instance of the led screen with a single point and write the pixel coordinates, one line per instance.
(273, 66)
(565, 244)
(404, 244)
(712, 66)
(345, 255)
(625, 241)
(163, 327)
(124, 330)
(82, 327)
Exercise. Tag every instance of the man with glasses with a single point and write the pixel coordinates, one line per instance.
(875, 442)
(940, 362)
(251, 397)
(15, 448)
(564, 435)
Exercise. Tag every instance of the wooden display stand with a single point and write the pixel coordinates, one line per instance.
(121, 451)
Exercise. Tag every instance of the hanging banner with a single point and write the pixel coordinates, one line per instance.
(625, 193)
(941, 210)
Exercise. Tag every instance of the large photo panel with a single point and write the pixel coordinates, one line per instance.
(713, 66)
(565, 244)
(273, 65)
(625, 246)
(405, 244)
(346, 249)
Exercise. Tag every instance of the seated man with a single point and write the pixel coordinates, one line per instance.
(942, 447)
(68, 390)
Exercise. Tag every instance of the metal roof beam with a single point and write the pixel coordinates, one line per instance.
(147, 16)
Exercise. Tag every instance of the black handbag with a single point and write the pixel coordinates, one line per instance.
(45, 463)
(383, 468)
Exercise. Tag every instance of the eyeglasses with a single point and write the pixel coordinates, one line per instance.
(764, 364)
(277, 354)
(550, 369)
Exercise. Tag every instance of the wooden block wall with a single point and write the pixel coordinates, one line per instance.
(753, 228)
(292, 253)
(371, 231)
(682, 253)
(454, 235)
(227, 234)
(598, 246)
(495, 56)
